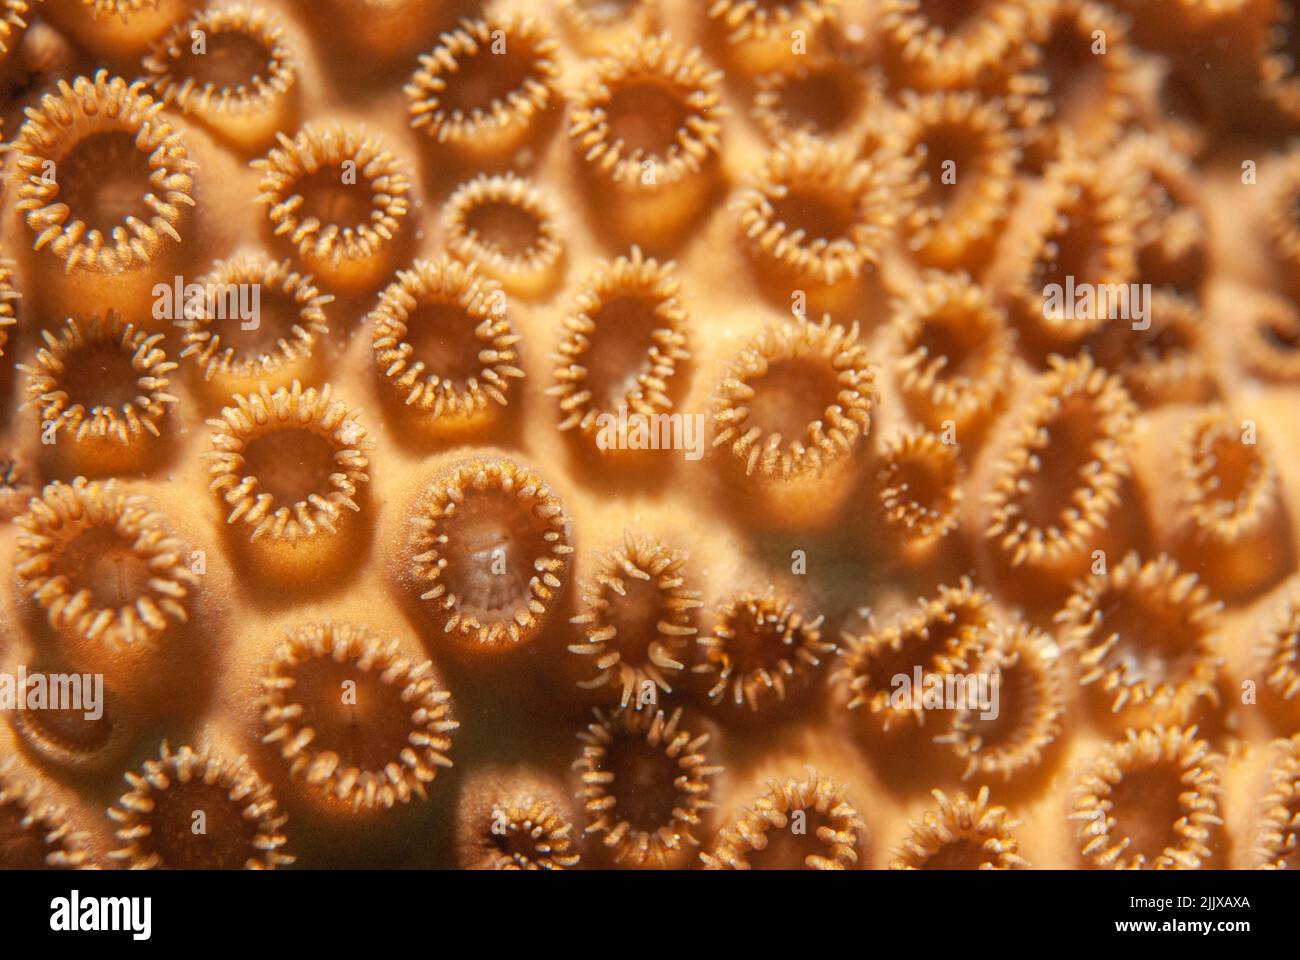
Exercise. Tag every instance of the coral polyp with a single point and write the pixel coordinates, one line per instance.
(960, 151)
(86, 222)
(955, 351)
(941, 636)
(800, 351)
(1144, 631)
(1277, 846)
(629, 299)
(103, 564)
(1150, 802)
(487, 83)
(774, 832)
(761, 655)
(340, 197)
(291, 470)
(1013, 738)
(961, 834)
(489, 553)
(1067, 453)
(647, 125)
(645, 784)
(184, 789)
(878, 412)
(817, 215)
(293, 504)
(104, 385)
(508, 226)
(758, 32)
(363, 726)
(941, 45)
(36, 833)
(231, 68)
(637, 620)
(275, 354)
(515, 820)
(919, 482)
(443, 345)
(1280, 648)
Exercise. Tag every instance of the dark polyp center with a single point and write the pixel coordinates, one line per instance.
(354, 713)
(756, 645)
(441, 336)
(233, 59)
(924, 482)
(1183, 274)
(917, 650)
(69, 729)
(101, 375)
(950, 15)
(487, 77)
(21, 847)
(290, 464)
(951, 163)
(1080, 252)
(1017, 698)
(106, 564)
(1181, 98)
(1063, 463)
(278, 313)
(820, 215)
(220, 839)
(619, 350)
(1146, 807)
(787, 850)
(961, 853)
(635, 616)
(492, 546)
(950, 336)
(1235, 467)
(1156, 643)
(508, 227)
(958, 619)
(516, 843)
(643, 786)
(791, 395)
(647, 117)
(336, 196)
(821, 101)
(1161, 342)
(1070, 67)
(104, 180)
(1280, 332)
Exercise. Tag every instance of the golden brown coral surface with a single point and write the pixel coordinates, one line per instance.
(299, 314)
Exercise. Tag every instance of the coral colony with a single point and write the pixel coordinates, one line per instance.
(591, 434)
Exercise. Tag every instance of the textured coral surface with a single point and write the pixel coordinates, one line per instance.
(384, 582)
